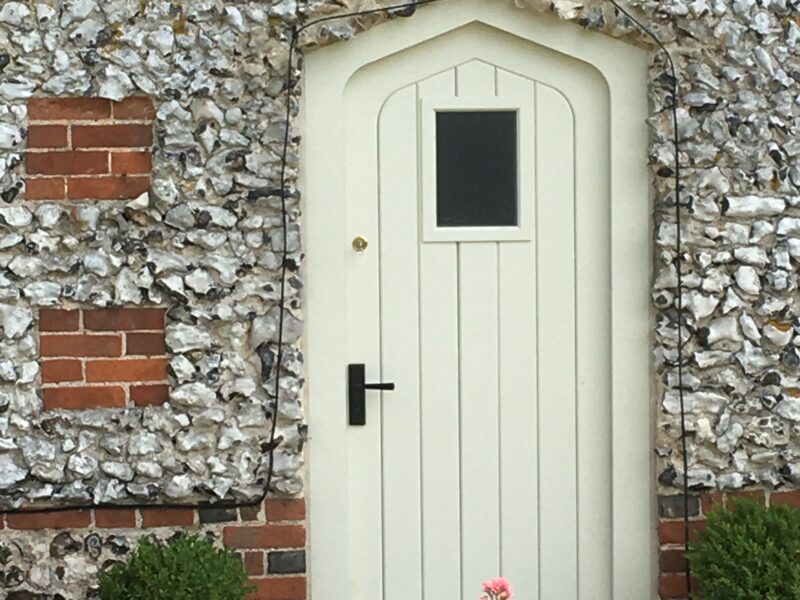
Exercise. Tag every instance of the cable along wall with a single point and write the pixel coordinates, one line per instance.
(206, 241)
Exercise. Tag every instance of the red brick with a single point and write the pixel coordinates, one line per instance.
(137, 369)
(131, 163)
(121, 187)
(66, 519)
(265, 536)
(80, 345)
(47, 136)
(254, 563)
(67, 163)
(671, 532)
(124, 319)
(112, 136)
(671, 560)
(134, 107)
(57, 109)
(148, 344)
(50, 188)
(57, 371)
(711, 501)
(149, 395)
(286, 510)
(785, 498)
(113, 518)
(78, 398)
(250, 513)
(167, 517)
(673, 585)
(758, 496)
(56, 319)
(278, 588)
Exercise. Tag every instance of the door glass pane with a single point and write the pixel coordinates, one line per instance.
(476, 168)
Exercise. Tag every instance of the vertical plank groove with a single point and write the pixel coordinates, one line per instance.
(440, 384)
(518, 377)
(418, 207)
(555, 157)
(480, 434)
(398, 248)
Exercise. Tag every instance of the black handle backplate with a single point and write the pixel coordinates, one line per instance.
(356, 393)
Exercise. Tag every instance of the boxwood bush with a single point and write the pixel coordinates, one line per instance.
(188, 567)
(750, 552)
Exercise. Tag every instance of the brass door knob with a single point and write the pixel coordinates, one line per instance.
(360, 243)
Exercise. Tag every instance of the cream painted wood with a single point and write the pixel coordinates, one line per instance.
(517, 302)
(400, 348)
(387, 503)
(440, 379)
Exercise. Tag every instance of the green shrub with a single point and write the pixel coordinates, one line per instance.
(188, 567)
(749, 553)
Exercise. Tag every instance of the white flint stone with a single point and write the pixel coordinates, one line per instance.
(182, 368)
(14, 13)
(200, 281)
(725, 328)
(752, 256)
(753, 206)
(179, 486)
(194, 395)
(748, 280)
(114, 83)
(84, 466)
(694, 402)
(183, 338)
(15, 320)
(789, 408)
(265, 328)
(204, 109)
(699, 305)
(118, 470)
(10, 472)
(779, 334)
(749, 327)
(789, 226)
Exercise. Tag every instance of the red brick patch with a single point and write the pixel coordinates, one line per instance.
(269, 584)
(64, 519)
(88, 148)
(115, 518)
(265, 536)
(279, 588)
(103, 358)
(167, 517)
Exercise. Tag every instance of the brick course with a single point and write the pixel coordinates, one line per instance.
(277, 567)
(103, 358)
(671, 580)
(88, 148)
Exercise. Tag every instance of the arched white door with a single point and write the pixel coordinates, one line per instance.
(477, 164)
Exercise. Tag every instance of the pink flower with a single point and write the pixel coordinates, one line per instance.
(497, 588)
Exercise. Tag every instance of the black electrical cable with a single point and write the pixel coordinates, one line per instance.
(407, 9)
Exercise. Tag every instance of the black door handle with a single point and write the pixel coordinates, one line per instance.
(356, 396)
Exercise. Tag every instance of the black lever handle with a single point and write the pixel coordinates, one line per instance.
(356, 396)
(386, 387)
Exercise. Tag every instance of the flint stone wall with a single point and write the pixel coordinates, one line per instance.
(206, 240)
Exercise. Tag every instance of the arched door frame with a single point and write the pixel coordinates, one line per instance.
(327, 72)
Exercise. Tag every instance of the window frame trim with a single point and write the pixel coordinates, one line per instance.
(522, 105)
